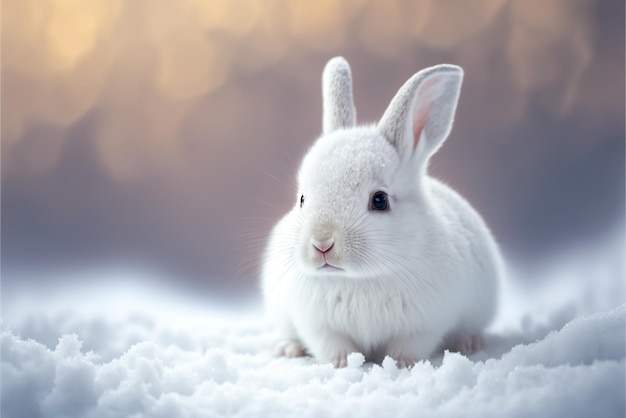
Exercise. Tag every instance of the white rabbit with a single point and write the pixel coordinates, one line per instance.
(376, 256)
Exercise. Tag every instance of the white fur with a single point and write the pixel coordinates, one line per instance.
(419, 275)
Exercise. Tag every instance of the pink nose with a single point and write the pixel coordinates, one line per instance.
(323, 246)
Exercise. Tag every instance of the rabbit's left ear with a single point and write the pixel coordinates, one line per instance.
(420, 116)
(339, 110)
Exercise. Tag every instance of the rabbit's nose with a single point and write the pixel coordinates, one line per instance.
(323, 246)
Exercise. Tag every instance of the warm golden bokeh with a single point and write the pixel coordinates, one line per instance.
(144, 64)
(538, 42)
(167, 132)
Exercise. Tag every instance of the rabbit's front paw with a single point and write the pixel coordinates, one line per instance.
(332, 349)
(410, 349)
(290, 348)
(468, 344)
(340, 362)
(405, 363)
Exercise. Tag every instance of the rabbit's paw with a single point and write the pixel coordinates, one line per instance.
(340, 362)
(332, 349)
(290, 348)
(405, 363)
(468, 344)
(408, 350)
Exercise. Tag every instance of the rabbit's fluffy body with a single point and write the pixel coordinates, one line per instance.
(339, 277)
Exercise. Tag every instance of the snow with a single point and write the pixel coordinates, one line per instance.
(120, 350)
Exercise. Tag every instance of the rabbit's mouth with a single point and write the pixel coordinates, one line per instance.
(329, 268)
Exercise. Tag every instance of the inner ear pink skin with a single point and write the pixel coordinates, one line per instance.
(419, 121)
(425, 96)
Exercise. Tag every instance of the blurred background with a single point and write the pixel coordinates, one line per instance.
(165, 135)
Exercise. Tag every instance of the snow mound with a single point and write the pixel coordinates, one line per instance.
(217, 366)
(115, 344)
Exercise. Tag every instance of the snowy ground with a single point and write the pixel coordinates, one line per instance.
(131, 351)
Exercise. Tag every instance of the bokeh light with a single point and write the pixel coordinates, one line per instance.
(158, 128)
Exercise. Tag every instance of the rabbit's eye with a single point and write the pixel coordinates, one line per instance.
(301, 200)
(379, 201)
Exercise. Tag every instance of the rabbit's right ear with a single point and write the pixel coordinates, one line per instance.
(339, 110)
(419, 118)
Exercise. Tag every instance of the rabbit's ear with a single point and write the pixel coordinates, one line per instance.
(339, 111)
(419, 117)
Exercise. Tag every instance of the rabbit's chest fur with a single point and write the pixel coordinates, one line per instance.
(368, 312)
